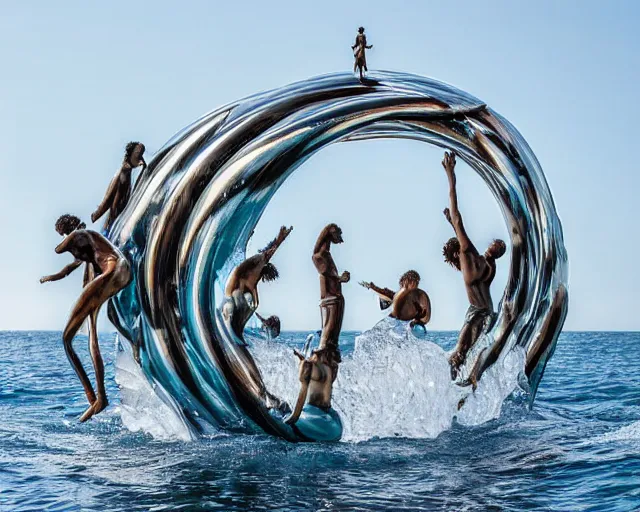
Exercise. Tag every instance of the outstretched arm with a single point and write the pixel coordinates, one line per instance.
(63, 273)
(271, 249)
(384, 293)
(305, 376)
(452, 214)
(106, 202)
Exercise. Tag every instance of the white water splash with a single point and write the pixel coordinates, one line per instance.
(627, 433)
(395, 384)
(141, 408)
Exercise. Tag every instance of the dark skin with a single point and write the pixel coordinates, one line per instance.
(361, 60)
(410, 303)
(106, 273)
(271, 324)
(330, 281)
(478, 270)
(117, 195)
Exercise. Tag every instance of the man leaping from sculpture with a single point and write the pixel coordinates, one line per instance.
(359, 53)
(117, 195)
(318, 372)
(271, 325)
(408, 303)
(477, 270)
(242, 300)
(106, 273)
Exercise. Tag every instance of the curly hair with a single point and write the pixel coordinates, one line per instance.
(411, 276)
(67, 223)
(273, 324)
(500, 247)
(269, 273)
(451, 252)
(131, 146)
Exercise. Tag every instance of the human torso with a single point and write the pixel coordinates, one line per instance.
(94, 249)
(330, 285)
(478, 275)
(408, 303)
(320, 385)
(123, 191)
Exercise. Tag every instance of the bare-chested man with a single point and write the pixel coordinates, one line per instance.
(242, 300)
(318, 372)
(119, 191)
(271, 325)
(478, 272)
(106, 273)
(359, 53)
(408, 303)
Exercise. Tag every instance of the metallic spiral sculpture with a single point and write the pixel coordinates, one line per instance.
(192, 212)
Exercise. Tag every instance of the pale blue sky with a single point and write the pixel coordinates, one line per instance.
(80, 79)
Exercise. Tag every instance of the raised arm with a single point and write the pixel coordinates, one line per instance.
(452, 214)
(272, 247)
(306, 368)
(384, 293)
(63, 273)
(104, 206)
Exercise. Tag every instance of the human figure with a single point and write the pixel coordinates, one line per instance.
(117, 195)
(106, 273)
(318, 372)
(478, 271)
(408, 303)
(271, 325)
(242, 300)
(359, 53)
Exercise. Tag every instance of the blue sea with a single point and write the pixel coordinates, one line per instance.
(577, 449)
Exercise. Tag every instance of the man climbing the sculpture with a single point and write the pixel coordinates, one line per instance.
(478, 272)
(241, 301)
(106, 273)
(318, 372)
(359, 53)
(117, 195)
(410, 303)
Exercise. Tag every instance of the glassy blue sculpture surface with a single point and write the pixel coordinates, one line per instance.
(193, 209)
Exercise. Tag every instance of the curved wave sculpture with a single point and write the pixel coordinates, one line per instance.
(192, 212)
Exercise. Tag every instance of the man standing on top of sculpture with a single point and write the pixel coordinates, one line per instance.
(359, 52)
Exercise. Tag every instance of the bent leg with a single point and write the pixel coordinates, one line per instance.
(80, 372)
(98, 365)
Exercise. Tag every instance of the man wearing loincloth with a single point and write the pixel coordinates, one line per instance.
(318, 372)
(408, 303)
(359, 52)
(478, 271)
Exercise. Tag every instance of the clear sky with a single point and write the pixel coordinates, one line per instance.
(80, 79)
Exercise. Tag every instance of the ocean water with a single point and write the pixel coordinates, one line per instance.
(577, 449)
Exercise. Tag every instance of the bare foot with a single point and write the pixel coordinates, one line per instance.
(87, 414)
(97, 406)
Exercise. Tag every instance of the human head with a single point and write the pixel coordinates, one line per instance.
(273, 325)
(68, 223)
(361, 30)
(269, 273)
(451, 252)
(496, 249)
(410, 279)
(134, 154)
(334, 233)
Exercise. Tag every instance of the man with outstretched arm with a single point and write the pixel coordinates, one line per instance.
(478, 271)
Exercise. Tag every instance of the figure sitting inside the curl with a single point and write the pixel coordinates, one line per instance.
(242, 286)
(408, 303)
(318, 372)
(359, 52)
(478, 271)
(106, 273)
(271, 325)
(117, 195)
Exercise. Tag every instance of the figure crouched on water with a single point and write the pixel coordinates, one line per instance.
(106, 273)
(359, 52)
(242, 300)
(317, 373)
(117, 195)
(478, 271)
(410, 303)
